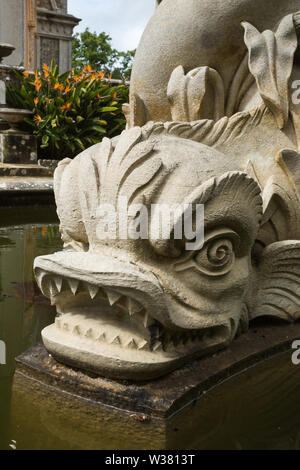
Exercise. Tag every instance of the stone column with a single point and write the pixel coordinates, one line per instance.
(31, 31)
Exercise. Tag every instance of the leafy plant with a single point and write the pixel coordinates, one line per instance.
(71, 111)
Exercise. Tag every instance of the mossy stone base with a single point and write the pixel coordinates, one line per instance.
(18, 148)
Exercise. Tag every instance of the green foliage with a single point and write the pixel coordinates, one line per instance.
(71, 111)
(96, 50)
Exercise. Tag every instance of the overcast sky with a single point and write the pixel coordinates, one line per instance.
(123, 20)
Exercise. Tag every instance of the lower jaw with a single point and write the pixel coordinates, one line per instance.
(106, 356)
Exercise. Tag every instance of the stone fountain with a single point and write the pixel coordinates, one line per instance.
(18, 149)
(212, 121)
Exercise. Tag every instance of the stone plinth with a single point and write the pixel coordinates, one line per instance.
(24, 171)
(195, 407)
(18, 148)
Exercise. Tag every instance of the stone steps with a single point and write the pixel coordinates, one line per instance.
(19, 170)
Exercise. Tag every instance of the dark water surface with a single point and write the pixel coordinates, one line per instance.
(259, 409)
(24, 234)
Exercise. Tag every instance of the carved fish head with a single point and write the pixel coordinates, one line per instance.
(137, 308)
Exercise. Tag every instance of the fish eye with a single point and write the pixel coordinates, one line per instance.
(218, 255)
(216, 258)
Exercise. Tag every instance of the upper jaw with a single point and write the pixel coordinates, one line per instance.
(94, 271)
(125, 284)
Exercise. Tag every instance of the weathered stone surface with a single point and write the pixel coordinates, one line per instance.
(46, 163)
(138, 307)
(18, 148)
(165, 396)
(193, 34)
(221, 402)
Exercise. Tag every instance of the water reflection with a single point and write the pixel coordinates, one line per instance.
(24, 312)
(6, 243)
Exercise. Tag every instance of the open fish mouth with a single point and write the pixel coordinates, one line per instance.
(109, 320)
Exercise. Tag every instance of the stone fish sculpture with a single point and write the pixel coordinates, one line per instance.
(226, 136)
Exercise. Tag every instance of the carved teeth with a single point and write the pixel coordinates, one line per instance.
(116, 340)
(160, 338)
(132, 344)
(134, 306)
(93, 290)
(148, 321)
(112, 296)
(102, 337)
(52, 289)
(74, 284)
(89, 333)
(76, 330)
(158, 346)
(143, 346)
(58, 282)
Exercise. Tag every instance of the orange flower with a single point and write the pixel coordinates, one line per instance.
(109, 77)
(114, 94)
(76, 78)
(26, 74)
(59, 86)
(36, 73)
(101, 74)
(99, 96)
(68, 89)
(66, 107)
(88, 68)
(46, 73)
(36, 101)
(37, 119)
(38, 84)
(45, 67)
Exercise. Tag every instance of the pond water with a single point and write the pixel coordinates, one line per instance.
(24, 234)
(258, 409)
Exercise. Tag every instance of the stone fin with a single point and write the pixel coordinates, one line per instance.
(278, 286)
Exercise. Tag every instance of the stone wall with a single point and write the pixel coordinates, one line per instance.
(53, 5)
(41, 30)
(44, 4)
